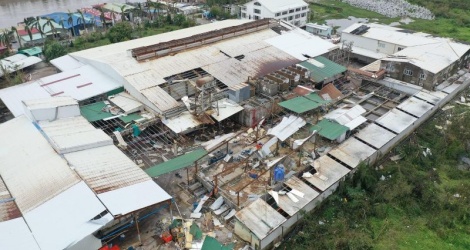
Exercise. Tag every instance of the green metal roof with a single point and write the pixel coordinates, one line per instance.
(315, 97)
(330, 130)
(176, 163)
(211, 243)
(329, 69)
(34, 51)
(130, 117)
(94, 112)
(299, 104)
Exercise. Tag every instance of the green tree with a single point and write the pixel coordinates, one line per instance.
(120, 32)
(215, 11)
(50, 23)
(13, 29)
(53, 49)
(168, 18)
(82, 17)
(179, 19)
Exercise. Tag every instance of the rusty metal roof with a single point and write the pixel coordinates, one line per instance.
(8, 208)
(105, 168)
(291, 207)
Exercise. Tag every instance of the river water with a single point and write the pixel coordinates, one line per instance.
(14, 11)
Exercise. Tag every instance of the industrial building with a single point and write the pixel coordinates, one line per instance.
(295, 12)
(256, 120)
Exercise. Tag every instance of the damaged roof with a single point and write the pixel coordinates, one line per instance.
(321, 68)
(328, 172)
(329, 129)
(352, 152)
(176, 163)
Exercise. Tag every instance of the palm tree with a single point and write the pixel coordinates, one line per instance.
(123, 7)
(50, 23)
(39, 27)
(114, 18)
(5, 39)
(13, 29)
(102, 18)
(83, 20)
(70, 22)
(30, 33)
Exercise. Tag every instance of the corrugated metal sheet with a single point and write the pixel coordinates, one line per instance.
(65, 63)
(352, 152)
(66, 218)
(396, 120)
(162, 100)
(126, 102)
(13, 96)
(375, 135)
(105, 168)
(330, 91)
(322, 68)
(291, 207)
(94, 112)
(145, 79)
(33, 172)
(15, 234)
(17, 62)
(182, 123)
(132, 198)
(328, 173)
(428, 96)
(330, 130)
(176, 163)
(249, 43)
(227, 108)
(287, 127)
(47, 103)
(260, 218)
(299, 104)
(73, 134)
(348, 116)
(8, 208)
(415, 106)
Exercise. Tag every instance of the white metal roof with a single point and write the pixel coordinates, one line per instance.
(318, 26)
(329, 170)
(17, 62)
(291, 207)
(415, 106)
(280, 5)
(126, 102)
(226, 108)
(15, 234)
(182, 123)
(66, 62)
(33, 172)
(14, 95)
(350, 117)
(66, 218)
(105, 168)
(73, 134)
(451, 88)
(375, 135)
(8, 208)
(428, 96)
(298, 43)
(160, 98)
(352, 152)
(367, 53)
(260, 218)
(131, 198)
(396, 120)
(80, 83)
(287, 127)
(49, 102)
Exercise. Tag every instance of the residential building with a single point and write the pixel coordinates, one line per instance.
(319, 29)
(293, 11)
(413, 57)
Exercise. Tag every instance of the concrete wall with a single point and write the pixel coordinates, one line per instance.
(247, 12)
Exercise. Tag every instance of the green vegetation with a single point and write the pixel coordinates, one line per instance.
(120, 32)
(53, 49)
(418, 202)
(451, 20)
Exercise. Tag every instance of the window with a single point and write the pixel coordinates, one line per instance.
(257, 11)
(298, 9)
(400, 48)
(243, 15)
(304, 8)
(303, 14)
(297, 16)
(285, 19)
(291, 17)
(422, 76)
(256, 17)
(257, 4)
(291, 11)
(381, 45)
(284, 12)
(408, 72)
(278, 14)
(244, 8)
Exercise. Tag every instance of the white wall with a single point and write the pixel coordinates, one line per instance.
(359, 41)
(248, 10)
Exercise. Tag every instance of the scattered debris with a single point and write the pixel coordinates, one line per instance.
(427, 152)
(457, 195)
(396, 157)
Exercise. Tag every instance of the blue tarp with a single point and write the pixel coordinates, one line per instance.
(76, 22)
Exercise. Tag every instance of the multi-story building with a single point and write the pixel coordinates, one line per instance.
(292, 11)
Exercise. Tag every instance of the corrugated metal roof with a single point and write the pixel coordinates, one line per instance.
(160, 98)
(415, 106)
(330, 91)
(176, 163)
(428, 96)
(105, 168)
(94, 112)
(396, 120)
(8, 208)
(227, 108)
(17, 62)
(287, 127)
(182, 123)
(328, 173)
(277, 6)
(73, 134)
(330, 130)
(134, 197)
(350, 117)
(375, 135)
(299, 104)
(126, 102)
(66, 218)
(46, 103)
(322, 68)
(352, 152)
(33, 172)
(65, 63)
(15, 234)
(291, 207)
(14, 96)
(260, 218)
